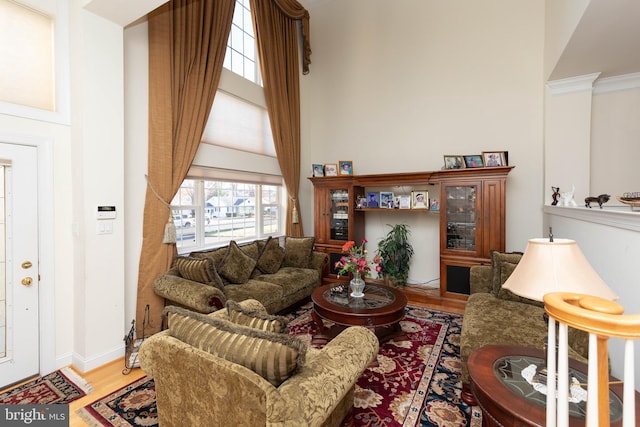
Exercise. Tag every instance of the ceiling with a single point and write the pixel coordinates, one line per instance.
(606, 40)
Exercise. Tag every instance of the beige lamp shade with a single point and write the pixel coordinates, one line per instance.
(555, 266)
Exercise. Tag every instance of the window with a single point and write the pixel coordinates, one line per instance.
(211, 213)
(26, 68)
(241, 47)
(234, 188)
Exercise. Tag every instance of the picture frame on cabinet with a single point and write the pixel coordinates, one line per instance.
(317, 169)
(434, 205)
(494, 158)
(404, 201)
(420, 199)
(473, 161)
(372, 200)
(453, 162)
(345, 167)
(330, 169)
(386, 200)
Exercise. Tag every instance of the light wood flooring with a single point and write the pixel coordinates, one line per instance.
(109, 378)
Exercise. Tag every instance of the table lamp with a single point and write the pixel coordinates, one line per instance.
(555, 265)
(558, 265)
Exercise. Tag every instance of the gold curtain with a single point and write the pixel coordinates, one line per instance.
(276, 27)
(187, 45)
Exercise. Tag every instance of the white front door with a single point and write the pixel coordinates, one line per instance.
(19, 339)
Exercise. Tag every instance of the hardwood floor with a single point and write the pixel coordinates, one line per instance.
(104, 380)
(109, 378)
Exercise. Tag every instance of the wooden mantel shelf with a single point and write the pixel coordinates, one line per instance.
(416, 178)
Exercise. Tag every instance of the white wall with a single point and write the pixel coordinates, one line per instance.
(394, 86)
(615, 147)
(97, 159)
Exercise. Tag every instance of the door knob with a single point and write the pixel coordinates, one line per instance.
(27, 281)
(26, 264)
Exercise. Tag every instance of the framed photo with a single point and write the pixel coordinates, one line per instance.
(372, 200)
(453, 162)
(330, 169)
(361, 202)
(346, 167)
(434, 205)
(404, 201)
(473, 161)
(420, 199)
(386, 200)
(318, 170)
(493, 158)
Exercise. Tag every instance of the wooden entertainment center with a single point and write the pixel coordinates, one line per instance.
(472, 217)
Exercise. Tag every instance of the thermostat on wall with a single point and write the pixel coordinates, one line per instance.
(106, 212)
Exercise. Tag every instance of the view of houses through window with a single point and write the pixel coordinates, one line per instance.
(209, 213)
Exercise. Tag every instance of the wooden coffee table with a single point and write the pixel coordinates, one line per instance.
(380, 309)
(508, 399)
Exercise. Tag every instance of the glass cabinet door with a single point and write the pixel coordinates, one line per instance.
(339, 212)
(461, 218)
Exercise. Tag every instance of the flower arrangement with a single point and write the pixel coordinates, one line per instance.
(356, 260)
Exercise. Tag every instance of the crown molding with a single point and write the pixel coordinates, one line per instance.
(572, 84)
(616, 83)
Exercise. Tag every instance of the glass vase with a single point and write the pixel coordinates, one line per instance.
(357, 286)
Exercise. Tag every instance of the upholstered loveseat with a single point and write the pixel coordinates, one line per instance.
(232, 368)
(279, 276)
(494, 315)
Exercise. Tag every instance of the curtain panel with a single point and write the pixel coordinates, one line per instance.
(276, 28)
(187, 46)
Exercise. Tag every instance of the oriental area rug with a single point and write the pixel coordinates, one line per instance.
(416, 383)
(60, 387)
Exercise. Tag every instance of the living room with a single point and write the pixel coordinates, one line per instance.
(392, 87)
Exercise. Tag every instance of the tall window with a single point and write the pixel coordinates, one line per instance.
(234, 188)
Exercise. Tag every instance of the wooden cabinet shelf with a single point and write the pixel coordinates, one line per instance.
(472, 217)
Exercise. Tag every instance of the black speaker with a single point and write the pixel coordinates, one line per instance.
(458, 279)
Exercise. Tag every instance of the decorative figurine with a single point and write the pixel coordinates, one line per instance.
(555, 195)
(566, 198)
(601, 199)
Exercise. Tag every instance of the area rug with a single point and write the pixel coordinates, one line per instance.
(59, 387)
(416, 383)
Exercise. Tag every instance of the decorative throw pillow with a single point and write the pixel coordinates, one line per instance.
(200, 270)
(297, 251)
(271, 257)
(497, 258)
(236, 266)
(256, 319)
(217, 255)
(506, 268)
(275, 357)
(252, 249)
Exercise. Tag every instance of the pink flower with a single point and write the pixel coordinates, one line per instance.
(355, 261)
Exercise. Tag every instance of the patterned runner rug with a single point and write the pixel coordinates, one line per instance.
(59, 387)
(417, 382)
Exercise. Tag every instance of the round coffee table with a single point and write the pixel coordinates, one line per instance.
(380, 309)
(502, 386)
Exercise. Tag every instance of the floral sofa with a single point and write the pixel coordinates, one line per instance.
(204, 374)
(279, 276)
(494, 315)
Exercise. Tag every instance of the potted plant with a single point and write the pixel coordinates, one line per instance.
(395, 253)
